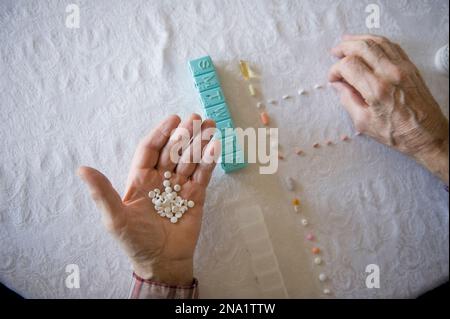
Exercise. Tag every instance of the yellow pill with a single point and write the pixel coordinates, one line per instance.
(296, 202)
(244, 69)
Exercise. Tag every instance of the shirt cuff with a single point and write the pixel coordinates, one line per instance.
(149, 289)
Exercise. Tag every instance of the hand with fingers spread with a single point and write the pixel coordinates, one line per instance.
(158, 249)
(388, 100)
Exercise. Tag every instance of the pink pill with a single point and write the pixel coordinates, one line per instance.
(310, 237)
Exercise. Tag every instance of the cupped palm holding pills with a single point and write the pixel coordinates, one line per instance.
(158, 247)
(379, 86)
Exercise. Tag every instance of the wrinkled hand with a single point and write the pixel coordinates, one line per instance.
(387, 99)
(158, 249)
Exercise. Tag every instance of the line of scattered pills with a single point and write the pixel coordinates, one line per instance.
(300, 92)
(316, 251)
(289, 181)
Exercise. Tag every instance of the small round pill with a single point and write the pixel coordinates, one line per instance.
(166, 183)
(315, 250)
(301, 92)
(326, 291)
(170, 196)
(190, 204)
(157, 191)
(310, 237)
(173, 220)
(304, 222)
(168, 190)
(317, 260)
(169, 215)
(318, 86)
(178, 215)
(285, 97)
(151, 194)
(259, 105)
(344, 138)
(177, 188)
(167, 174)
(323, 277)
(316, 145)
(167, 210)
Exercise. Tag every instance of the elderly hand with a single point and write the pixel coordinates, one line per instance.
(158, 249)
(387, 99)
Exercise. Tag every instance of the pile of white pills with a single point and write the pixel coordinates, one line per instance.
(168, 203)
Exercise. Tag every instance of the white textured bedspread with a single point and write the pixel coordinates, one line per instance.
(71, 97)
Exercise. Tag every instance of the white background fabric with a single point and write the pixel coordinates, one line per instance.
(85, 96)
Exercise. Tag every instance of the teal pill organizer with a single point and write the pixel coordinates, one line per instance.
(213, 100)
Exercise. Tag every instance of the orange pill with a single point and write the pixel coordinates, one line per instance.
(265, 119)
(296, 202)
(315, 250)
(316, 145)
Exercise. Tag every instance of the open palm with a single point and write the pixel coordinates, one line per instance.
(157, 248)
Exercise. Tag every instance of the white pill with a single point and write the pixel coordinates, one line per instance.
(168, 190)
(167, 210)
(301, 92)
(151, 194)
(175, 209)
(169, 215)
(252, 90)
(326, 291)
(157, 191)
(322, 277)
(285, 97)
(183, 209)
(178, 215)
(289, 182)
(170, 196)
(304, 222)
(167, 174)
(318, 86)
(162, 214)
(190, 204)
(259, 105)
(317, 260)
(173, 220)
(177, 188)
(158, 202)
(166, 183)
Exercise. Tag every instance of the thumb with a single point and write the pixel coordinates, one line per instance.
(103, 193)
